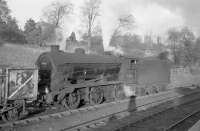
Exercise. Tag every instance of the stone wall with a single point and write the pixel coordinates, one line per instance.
(182, 77)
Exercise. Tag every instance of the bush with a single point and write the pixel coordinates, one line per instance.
(34, 37)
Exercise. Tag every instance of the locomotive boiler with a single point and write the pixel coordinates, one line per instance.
(77, 78)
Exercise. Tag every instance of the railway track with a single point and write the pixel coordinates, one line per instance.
(128, 124)
(186, 122)
(99, 120)
(179, 118)
(102, 120)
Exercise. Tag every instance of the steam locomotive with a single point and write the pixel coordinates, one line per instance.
(74, 79)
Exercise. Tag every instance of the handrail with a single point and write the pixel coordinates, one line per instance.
(94, 84)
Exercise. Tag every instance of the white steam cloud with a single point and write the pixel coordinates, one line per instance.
(150, 17)
(110, 12)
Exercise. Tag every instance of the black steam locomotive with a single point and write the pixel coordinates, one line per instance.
(71, 79)
(74, 79)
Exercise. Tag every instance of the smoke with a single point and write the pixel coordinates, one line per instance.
(71, 23)
(150, 17)
(188, 9)
(110, 12)
(129, 91)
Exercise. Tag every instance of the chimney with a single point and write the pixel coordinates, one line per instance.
(54, 48)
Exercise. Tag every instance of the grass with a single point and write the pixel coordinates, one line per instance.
(19, 55)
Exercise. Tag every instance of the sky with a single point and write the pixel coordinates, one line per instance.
(151, 16)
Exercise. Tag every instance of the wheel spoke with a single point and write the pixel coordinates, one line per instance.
(11, 115)
(96, 96)
(71, 100)
(4, 117)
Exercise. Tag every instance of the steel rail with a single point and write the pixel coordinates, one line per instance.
(182, 120)
(100, 120)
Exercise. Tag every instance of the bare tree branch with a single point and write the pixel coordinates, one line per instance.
(90, 11)
(56, 11)
(4, 10)
(124, 23)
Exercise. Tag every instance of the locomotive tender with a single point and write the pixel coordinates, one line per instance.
(74, 79)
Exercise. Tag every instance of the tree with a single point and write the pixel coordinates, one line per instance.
(125, 24)
(11, 31)
(187, 40)
(187, 36)
(56, 11)
(90, 12)
(130, 44)
(32, 33)
(122, 38)
(197, 49)
(182, 45)
(4, 10)
(34, 37)
(174, 38)
(30, 25)
(48, 33)
(2, 29)
(4, 13)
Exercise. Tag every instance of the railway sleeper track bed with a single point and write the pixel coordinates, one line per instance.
(176, 117)
(180, 118)
(100, 114)
(186, 122)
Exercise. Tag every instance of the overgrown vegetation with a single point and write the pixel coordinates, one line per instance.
(34, 33)
(9, 29)
(182, 44)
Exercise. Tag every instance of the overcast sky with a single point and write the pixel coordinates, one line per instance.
(152, 16)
